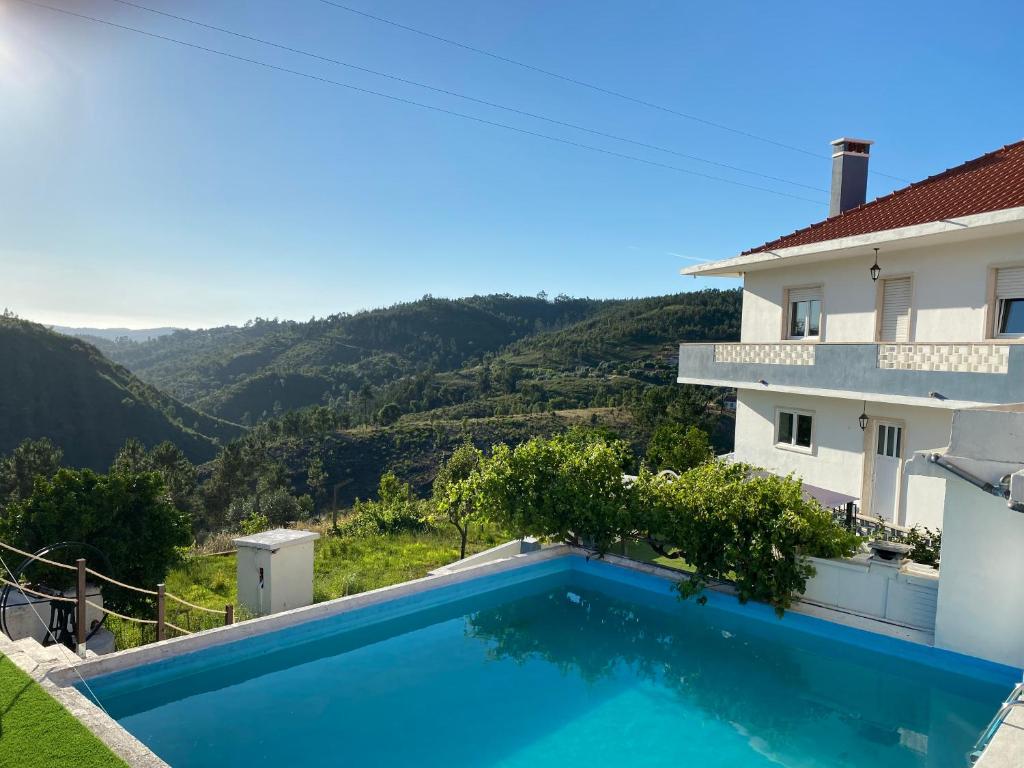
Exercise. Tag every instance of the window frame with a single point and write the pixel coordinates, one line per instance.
(793, 445)
(880, 307)
(787, 313)
(994, 307)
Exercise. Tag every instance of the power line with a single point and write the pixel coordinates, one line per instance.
(583, 83)
(445, 91)
(411, 102)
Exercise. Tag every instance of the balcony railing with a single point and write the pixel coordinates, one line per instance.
(939, 374)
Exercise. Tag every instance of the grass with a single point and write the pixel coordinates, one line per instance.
(342, 565)
(637, 550)
(37, 732)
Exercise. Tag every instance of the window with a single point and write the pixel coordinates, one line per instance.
(804, 313)
(794, 429)
(1010, 302)
(894, 324)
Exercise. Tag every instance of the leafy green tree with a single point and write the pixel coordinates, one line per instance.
(127, 516)
(559, 488)
(166, 459)
(455, 492)
(19, 470)
(392, 492)
(755, 531)
(678, 447)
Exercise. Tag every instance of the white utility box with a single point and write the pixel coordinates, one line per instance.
(275, 570)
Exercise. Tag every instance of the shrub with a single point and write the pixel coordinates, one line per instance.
(127, 516)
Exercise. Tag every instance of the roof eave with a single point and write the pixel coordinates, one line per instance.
(1008, 219)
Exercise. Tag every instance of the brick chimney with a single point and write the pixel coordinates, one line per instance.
(849, 174)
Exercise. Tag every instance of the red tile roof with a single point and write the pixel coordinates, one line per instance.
(991, 182)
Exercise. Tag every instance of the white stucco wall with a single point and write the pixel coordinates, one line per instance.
(980, 610)
(950, 292)
(837, 459)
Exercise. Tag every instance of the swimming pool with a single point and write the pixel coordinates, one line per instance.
(564, 661)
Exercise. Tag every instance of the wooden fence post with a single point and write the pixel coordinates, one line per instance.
(229, 615)
(81, 628)
(160, 612)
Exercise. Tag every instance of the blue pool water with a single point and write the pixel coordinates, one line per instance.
(563, 662)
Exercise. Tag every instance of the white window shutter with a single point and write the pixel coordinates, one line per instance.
(896, 294)
(1010, 283)
(805, 294)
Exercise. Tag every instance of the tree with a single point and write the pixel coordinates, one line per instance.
(454, 491)
(166, 459)
(127, 516)
(563, 488)
(389, 414)
(316, 479)
(678, 447)
(19, 470)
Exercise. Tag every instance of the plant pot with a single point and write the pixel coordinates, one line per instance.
(891, 551)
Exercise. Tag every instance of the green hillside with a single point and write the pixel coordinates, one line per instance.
(474, 357)
(270, 366)
(63, 388)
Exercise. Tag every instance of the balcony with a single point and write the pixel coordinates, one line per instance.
(937, 375)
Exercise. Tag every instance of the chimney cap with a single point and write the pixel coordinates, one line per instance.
(847, 144)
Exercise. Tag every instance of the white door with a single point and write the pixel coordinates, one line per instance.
(885, 470)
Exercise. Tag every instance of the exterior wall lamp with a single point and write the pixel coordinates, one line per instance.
(875, 269)
(863, 418)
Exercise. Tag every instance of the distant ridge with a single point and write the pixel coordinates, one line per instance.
(113, 334)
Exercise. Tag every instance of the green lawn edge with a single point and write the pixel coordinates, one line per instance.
(37, 732)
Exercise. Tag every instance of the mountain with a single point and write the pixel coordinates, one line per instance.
(113, 334)
(270, 366)
(63, 388)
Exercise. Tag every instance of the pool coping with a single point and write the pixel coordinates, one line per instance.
(59, 676)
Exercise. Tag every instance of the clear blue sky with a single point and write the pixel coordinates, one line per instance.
(146, 184)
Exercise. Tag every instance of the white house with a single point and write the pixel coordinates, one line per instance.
(844, 371)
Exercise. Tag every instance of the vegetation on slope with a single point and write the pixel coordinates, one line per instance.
(479, 356)
(64, 389)
(269, 366)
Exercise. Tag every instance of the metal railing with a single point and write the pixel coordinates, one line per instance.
(849, 517)
(1015, 699)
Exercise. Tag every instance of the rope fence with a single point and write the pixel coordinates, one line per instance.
(177, 599)
(34, 593)
(37, 558)
(120, 615)
(81, 601)
(117, 583)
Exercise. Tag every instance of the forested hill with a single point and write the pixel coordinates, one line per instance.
(634, 330)
(63, 388)
(432, 353)
(270, 366)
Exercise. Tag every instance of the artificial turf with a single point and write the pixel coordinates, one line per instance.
(37, 732)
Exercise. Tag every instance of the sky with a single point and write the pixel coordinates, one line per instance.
(144, 183)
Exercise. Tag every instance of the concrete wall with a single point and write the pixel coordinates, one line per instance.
(981, 607)
(906, 596)
(837, 459)
(949, 300)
